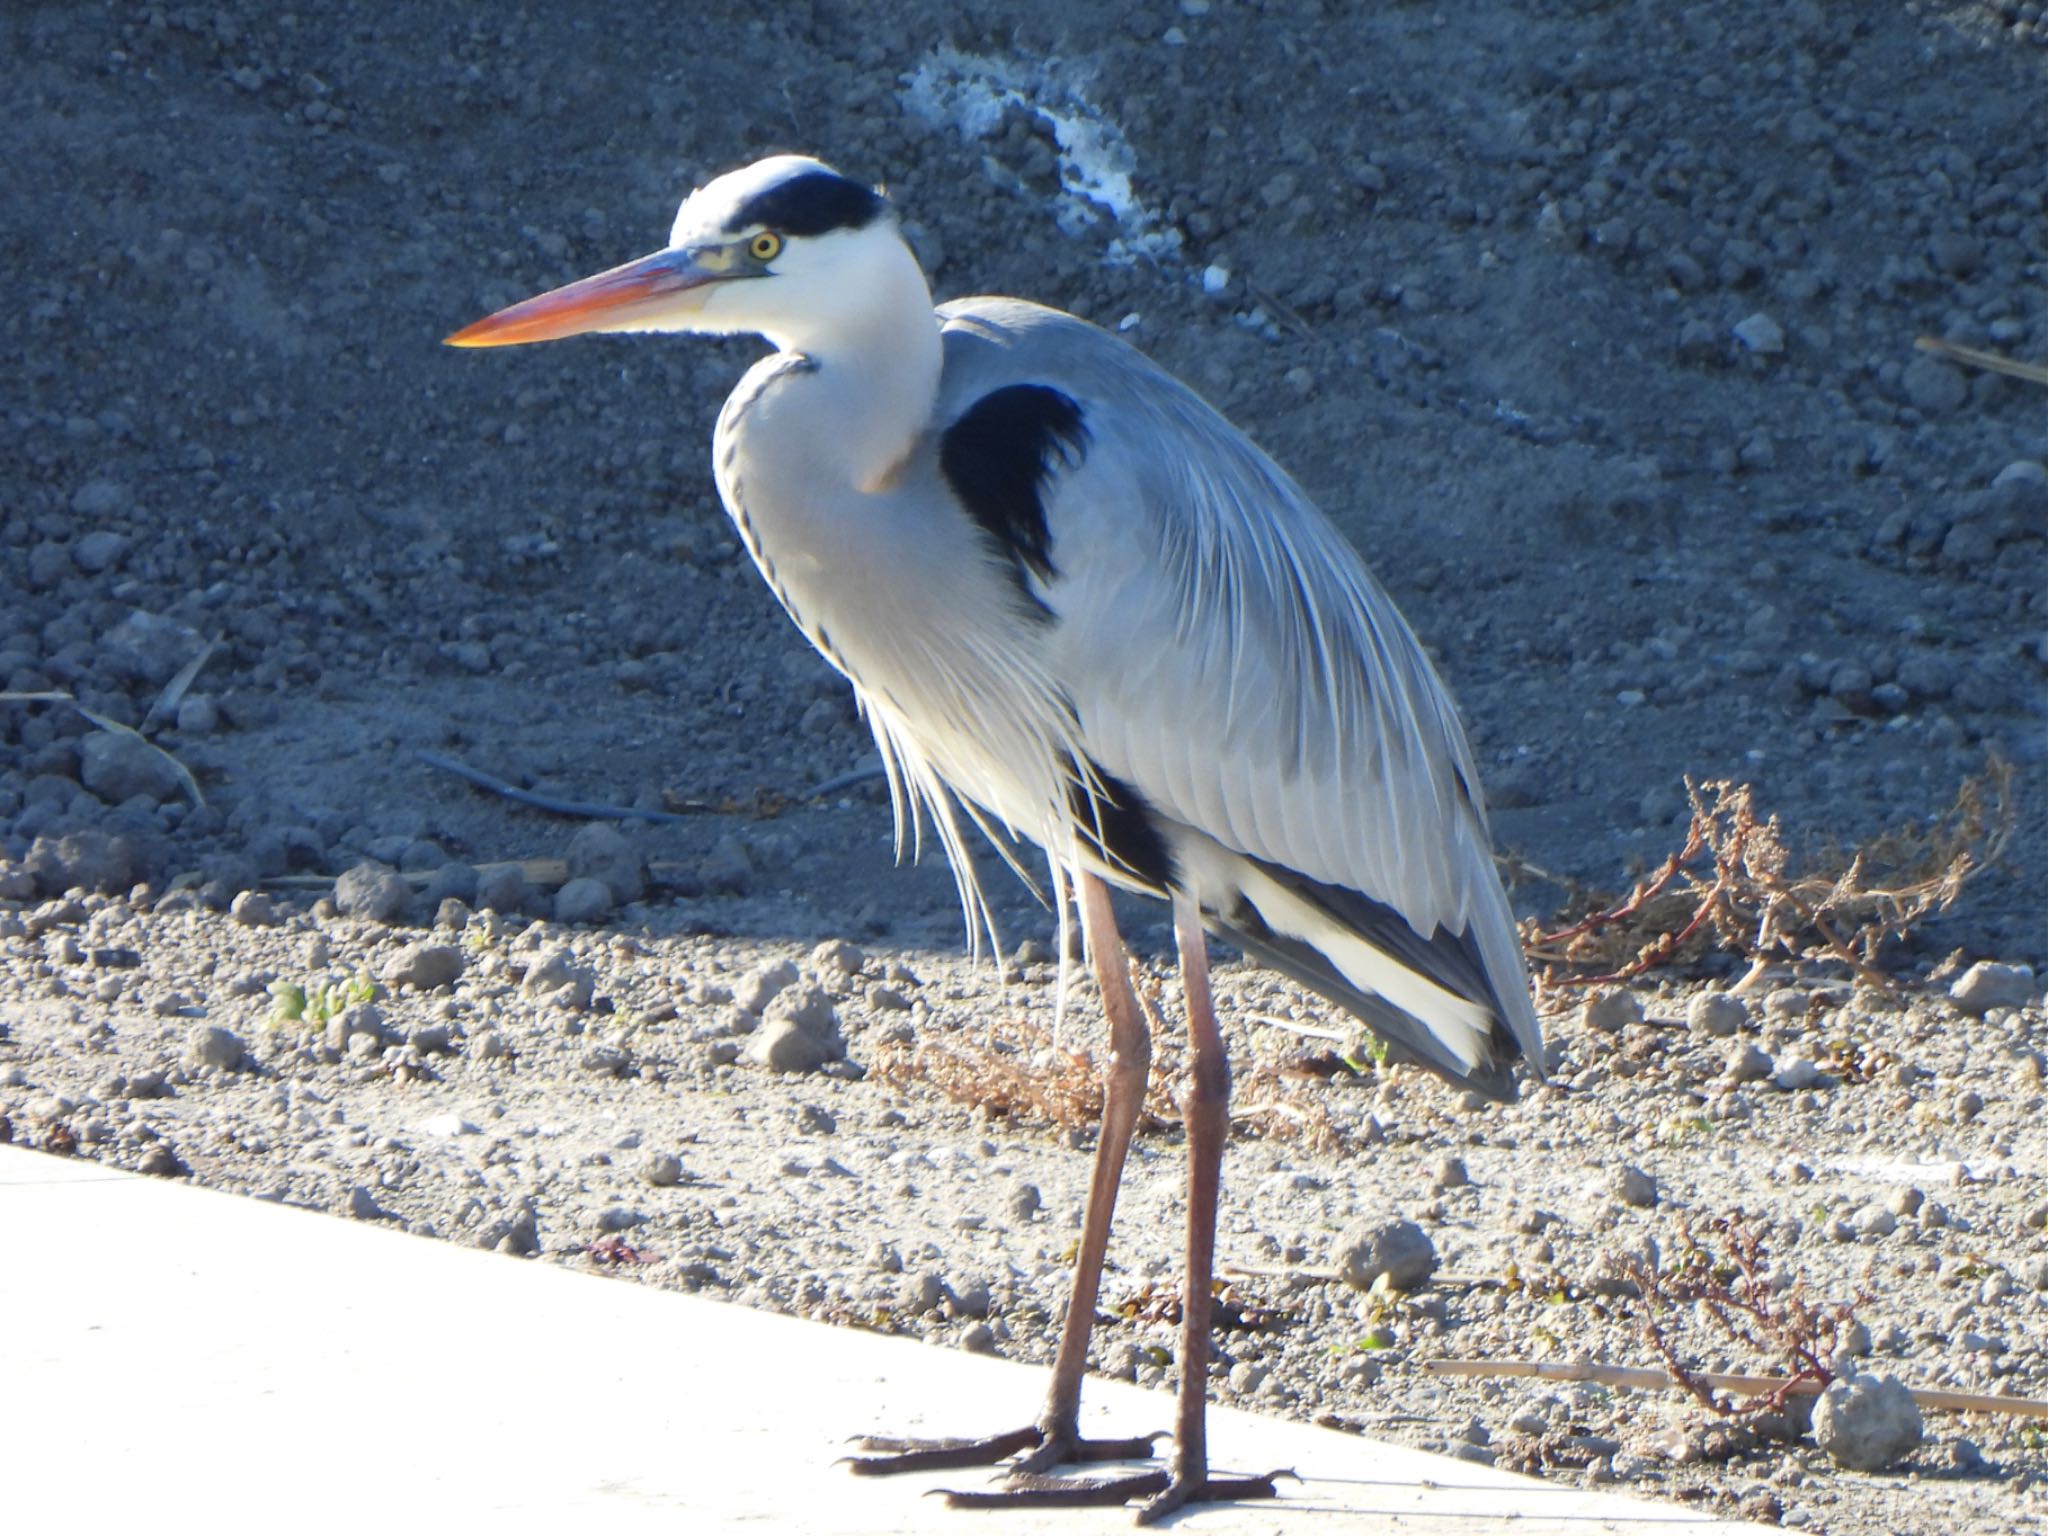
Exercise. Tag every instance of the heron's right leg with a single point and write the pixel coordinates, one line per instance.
(1056, 1437)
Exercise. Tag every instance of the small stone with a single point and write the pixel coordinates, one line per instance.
(1611, 1011)
(101, 498)
(119, 765)
(886, 999)
(1720, 1014)
(89, 859)
(363, 1206)
(1874, 1220)
(1748, 1063)
(663, 1170)
(1932, 386)
(501, 888)
(1987, 985)
(253, 909)
(726, 869)
(1866, 1423)
(1799, 1073)
(978, 1339)
(198, 715)
(425, 966)
(836, 957)
(372, 890)
(209, 1045)
(430, 1040)
(1449, 1173)
(100, 551)
(815, 1120)
(1025, 1201)
(582, 900)
(555, 975)
(159, 1161)
(1632, 1186)
(1760, 334)
(1904, 1201)
(600, 851)
(1399, 1250)
(784, 1047)
(759, 987)
(619, 1218)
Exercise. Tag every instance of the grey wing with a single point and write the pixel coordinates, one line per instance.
(1231, 660)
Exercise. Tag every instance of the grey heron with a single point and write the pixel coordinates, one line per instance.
(1077, 605)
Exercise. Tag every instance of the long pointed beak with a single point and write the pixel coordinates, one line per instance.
(649, 294)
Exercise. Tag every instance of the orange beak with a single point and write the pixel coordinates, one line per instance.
(656, 292)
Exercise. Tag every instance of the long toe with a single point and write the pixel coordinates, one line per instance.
(1034, 1491)
(901, 1454)
(1180, 1491)
(1058, 1450)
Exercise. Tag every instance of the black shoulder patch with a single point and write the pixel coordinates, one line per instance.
(997, 457)
(1119, 824)
(815, 203)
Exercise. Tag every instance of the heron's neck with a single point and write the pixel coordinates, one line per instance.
(868, 396)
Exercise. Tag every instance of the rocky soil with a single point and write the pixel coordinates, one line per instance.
(1592, 324)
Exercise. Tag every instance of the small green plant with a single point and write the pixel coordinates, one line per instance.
(291, 1003)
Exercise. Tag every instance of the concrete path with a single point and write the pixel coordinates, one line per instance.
(173, 1358)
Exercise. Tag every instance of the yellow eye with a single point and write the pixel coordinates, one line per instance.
(765, 246)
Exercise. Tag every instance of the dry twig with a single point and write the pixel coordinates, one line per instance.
(1732, 885)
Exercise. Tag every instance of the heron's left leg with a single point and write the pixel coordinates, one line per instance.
(1206, 1112)
(1056, 1437)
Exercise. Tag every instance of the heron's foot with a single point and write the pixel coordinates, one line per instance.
(1042, 1449)
(1163, 1492)
(1179, 1490)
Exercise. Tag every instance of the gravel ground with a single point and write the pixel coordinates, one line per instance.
(1593, 326)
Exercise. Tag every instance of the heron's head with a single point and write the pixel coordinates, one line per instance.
(786, 248)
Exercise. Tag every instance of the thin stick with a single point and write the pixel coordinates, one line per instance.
(833, 786)
(1990, 362)
(550, 803)
(1636, 1380)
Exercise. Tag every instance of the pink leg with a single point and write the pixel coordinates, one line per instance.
(1056, 1437)
(1206, 1113)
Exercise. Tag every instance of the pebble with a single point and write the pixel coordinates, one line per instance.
(886, 999)
(1988, 984)
(600, 851)
(1748, 1063)
(448, 1124)
(363, 1206)
(1399, 1250)
(372, 890)
(1760, 333)
(784, 1046)
(726, 869)
(100, 551)
(1866, 1423)
(100, 498)
(119, 765)
(1449, 1173)
(1025, 1201)
(211, 1046)
(1933, 386)
(582, 900)
(1720, 1014)
(253, 909)
(837, 957)
(1799, 1073)
(1874, 1220)
(1611, 1011)
(760, 986)
(555, 975)
(161, 1162)
(501, 888)
(663, 1170)
(425, 966)
(1632, 1186)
